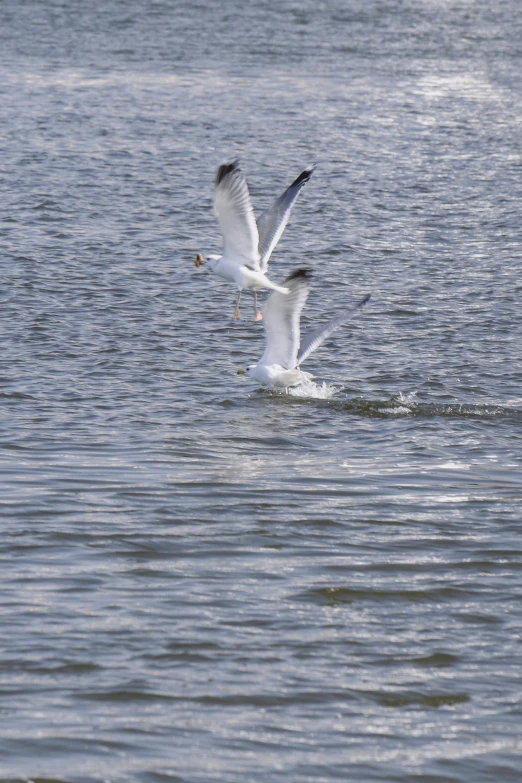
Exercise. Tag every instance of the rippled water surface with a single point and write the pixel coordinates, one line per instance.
(201, 580)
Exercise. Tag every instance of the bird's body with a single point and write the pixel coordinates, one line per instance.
(244, 276)
(284, 351)
(277, 375)
(248, 244)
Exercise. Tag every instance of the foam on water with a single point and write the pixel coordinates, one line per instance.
(406, 405)
(314, 391)
(403, 404)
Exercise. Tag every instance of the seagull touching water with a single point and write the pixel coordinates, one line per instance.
(248, 245)
(284, 351)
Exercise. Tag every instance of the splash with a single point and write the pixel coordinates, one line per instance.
(315, 391)
(402, 404)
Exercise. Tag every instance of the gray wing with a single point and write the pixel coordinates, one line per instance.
(271, 223)
(236, 216)
(282, 316)
(314, 339)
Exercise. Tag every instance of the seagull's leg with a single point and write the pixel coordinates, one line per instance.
(237, 312)
(257, 312)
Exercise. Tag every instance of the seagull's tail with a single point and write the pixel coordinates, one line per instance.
(295, 377)
(281, 289)
(290, 378)
(259, 280)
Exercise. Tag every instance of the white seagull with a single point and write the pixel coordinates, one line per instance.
(248, 245)
(284, 351)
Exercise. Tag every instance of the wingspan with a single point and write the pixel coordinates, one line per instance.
(314, 339)
(271, 223)
(282, 315)
(236, 216)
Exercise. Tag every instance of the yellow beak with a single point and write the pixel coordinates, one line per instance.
(240, 372)
(199, 260)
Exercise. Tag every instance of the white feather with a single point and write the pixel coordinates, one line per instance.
(272, 223)
(282, 315)
(236, 217)
(312, 340)
(280, 363)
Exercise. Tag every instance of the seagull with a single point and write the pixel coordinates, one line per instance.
(248, 245)
(284, 351)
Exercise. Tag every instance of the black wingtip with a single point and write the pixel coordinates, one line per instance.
(303, 273)
(303, 177)
(226, 168)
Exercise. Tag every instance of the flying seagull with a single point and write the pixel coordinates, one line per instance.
(248, 245)
(284, 351)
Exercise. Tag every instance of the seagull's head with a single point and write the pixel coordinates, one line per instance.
(249, 371)
(210, 261)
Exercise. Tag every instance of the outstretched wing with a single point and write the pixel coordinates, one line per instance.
(314, 339)
(282, 315)
(271, 223)
(236, 216)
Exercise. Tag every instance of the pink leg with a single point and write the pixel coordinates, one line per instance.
(237, 312)
(257, 312)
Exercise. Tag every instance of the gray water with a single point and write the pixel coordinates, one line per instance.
(201, 580)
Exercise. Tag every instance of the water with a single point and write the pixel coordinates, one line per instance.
(200, 580)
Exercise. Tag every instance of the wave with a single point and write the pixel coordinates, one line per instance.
(396, 406)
